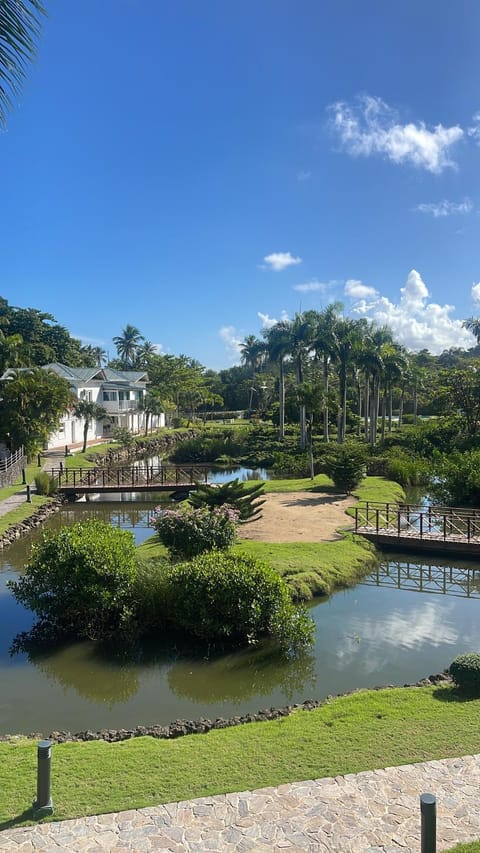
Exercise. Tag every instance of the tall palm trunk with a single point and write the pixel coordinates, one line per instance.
(302, 411)
(326, 436)
(366, 408)
(281, 401)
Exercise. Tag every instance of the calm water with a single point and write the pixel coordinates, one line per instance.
(404, 622)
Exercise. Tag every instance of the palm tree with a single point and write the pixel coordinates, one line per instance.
(127, 344)
(252, 354)
(324, 345)
(348, 335)
(19, 31)
(89, 411)
(302, 334)
(278, 339)
(151, 404)
(473, 326)
(144, 353)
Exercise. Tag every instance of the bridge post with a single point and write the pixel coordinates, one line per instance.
(377, 512)
(356, 519)
(468, 528)
(421, 525)
(399, 516)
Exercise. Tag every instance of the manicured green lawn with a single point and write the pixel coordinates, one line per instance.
(367, 730)
(473, 847)
(25, 510)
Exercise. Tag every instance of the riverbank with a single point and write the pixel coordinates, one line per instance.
(362, 731)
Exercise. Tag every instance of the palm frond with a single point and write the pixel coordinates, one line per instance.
(19, 31)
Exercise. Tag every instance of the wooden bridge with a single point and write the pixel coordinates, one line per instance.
(133, 478)
(422, 528)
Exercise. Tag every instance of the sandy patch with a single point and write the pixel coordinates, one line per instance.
(299, 517)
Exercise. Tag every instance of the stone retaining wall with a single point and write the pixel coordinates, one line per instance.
(16, 531)
(179, 728)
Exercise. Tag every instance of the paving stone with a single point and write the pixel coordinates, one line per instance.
(370, 812)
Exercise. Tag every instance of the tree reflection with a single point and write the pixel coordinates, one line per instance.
(242, 675)
(84, 668)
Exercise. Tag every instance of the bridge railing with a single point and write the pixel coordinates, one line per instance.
(417, 521)
(131, 475)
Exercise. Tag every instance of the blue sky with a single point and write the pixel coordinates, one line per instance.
(202, 169)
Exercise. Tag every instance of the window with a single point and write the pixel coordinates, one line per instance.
(110, 396)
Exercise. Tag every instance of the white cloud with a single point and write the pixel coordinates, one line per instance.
(371, 127)
(279, 261)
(476, 293)
(268, 322)
(355, 289)
(232, 341)
(311, 286)
(304, 176)
(446, 208)
(414, 320)
(474, 130)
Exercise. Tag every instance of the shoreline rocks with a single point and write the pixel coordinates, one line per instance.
(180, 728)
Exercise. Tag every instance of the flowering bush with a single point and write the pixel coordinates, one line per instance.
(189, 532)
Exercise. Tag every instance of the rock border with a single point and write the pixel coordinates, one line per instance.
(180, 728)
(36, 519)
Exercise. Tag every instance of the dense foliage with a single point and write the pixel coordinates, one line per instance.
(345, 465)
(244, 499)
(187, 532)
(457, 479)
(227, 597)
(465, 671)
(79, 581)
(32, 402)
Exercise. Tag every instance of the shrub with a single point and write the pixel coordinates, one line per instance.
(187, 532)
(79, 581)
(289, 465)
(345, 465)
(123, 436)
(45, 484)
(245, 500)
(456, 479)
(230, 597)
(465, 671)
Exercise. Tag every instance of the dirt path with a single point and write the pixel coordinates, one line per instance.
(299, 517)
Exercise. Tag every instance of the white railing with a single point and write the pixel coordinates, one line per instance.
(120, 405)
(9, 461)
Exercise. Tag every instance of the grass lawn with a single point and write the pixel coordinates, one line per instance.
(473, 847)
(367, 730)
(25, 510)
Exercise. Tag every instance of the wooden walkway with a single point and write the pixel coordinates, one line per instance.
(411, 526)
(133, 478)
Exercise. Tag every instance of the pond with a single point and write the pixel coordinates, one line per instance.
(405, 621)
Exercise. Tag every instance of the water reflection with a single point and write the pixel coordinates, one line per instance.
(241, 675)
(107, 678)
(428, 577)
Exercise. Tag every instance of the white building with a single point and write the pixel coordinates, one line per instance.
(119, 392)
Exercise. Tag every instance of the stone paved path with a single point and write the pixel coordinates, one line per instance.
(372, 812)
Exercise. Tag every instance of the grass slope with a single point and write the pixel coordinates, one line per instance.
(364, 731)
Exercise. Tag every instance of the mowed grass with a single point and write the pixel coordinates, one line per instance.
(472, 847)
(24, 511)
(364, 731)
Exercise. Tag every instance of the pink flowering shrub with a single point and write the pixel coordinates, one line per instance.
(188, 532)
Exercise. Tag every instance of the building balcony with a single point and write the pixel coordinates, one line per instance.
(115, 407)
